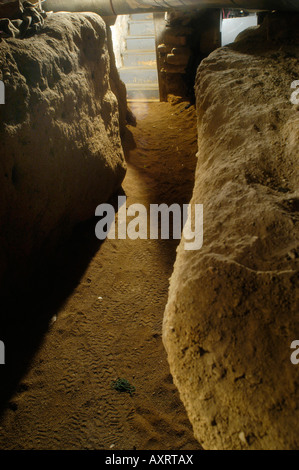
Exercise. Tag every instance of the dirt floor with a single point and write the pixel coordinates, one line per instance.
(96, 315)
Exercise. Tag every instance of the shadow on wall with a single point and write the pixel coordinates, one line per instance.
(58, 93)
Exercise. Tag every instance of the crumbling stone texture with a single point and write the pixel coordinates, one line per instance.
(60, 148)
(184, 39)
(232, 311)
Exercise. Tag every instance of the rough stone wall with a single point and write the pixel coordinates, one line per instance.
(118, 88)
(60, 148)
(183, 40)
(232, 311)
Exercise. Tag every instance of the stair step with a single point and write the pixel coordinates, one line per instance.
(139, 58)
(141, 86)
(141, 16)
(142, 93)
(142, 28)
(138, 74)
(141, 42)
(143, 100)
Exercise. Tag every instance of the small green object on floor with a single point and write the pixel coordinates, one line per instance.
(122, 385)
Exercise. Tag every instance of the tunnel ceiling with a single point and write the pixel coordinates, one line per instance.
(123, 7)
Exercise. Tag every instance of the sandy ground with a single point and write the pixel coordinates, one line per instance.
(96, 315)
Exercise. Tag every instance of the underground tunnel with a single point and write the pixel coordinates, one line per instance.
(149, 225)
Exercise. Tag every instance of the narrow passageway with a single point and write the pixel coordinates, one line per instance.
(109, 323)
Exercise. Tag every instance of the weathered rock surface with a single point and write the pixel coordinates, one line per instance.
(60, 148)
(232, 311)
